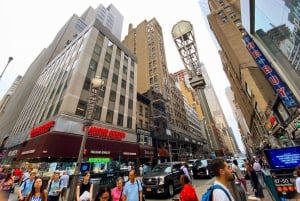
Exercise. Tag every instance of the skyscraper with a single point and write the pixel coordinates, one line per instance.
(147, 43)
(252, 91)
(49, 126)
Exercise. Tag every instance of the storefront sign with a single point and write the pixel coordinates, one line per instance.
(129, 153)
(147, 152)
(105, 133)
(99, 160)
(99, 152)
(278, 85)
(142, 131)
(28, 152)
(12, 153)
(42, 129)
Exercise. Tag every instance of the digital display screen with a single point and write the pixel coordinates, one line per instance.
(283, 158)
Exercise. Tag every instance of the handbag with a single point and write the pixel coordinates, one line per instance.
(143, 196)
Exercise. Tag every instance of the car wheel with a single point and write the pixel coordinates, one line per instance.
(170, 190)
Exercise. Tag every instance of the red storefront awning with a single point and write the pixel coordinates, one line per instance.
(62, 145)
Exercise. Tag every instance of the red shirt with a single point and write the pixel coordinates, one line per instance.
(18, 172)
(188, 193)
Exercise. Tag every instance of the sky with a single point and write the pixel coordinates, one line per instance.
(31, 25)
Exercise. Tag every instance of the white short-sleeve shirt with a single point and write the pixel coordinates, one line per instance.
(220, 195)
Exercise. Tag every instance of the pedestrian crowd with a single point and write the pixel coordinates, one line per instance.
(31, 186)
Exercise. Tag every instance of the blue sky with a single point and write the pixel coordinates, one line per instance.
(29, 26)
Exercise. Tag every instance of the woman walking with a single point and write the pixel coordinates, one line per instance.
(6, 184)
(116, 192)
(37, 192)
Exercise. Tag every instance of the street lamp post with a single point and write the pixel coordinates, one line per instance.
(95, 88)
(9, 60)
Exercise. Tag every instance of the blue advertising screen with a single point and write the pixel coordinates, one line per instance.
(283, 158)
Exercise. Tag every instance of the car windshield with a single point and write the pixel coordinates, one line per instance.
(162, 168)
(191, 162)
(203, 163)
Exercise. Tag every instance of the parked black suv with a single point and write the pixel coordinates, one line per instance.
(201, 168)
(163, 179)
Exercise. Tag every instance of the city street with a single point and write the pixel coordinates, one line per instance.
(200, 184)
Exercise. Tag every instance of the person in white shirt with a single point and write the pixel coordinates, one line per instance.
(185, 170)
(224, 176)
(257, 169)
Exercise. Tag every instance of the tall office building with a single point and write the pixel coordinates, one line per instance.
(111, 18)
(252, 91)
(65, 36)
(147, 43)
(273, 35)
(50, 126)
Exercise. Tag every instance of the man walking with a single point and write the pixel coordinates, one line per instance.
(224, 176)
(64, 185)
(133, 189)
(26, 186)
(54, 187)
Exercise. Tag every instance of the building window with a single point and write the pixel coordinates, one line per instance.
(141, 110)
(232, 15)
(129, 122)
(123, 84)
(115, 79)
(237, 23)
(122, 100)
(120, 120)
(97, 113)
(225, 19)
(81, 107)
(130, 104)
(109, 116)
(227, 9)
(104, 73)
(112, 96)
(146, 112)
(93, 65)
(97, 49)
(87, 84)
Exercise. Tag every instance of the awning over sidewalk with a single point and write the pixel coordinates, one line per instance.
(63, 145)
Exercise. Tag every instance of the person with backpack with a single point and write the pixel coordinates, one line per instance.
(26, 186)
(219, 190)
(54, 187)
(132, 190)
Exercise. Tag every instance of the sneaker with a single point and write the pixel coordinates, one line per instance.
(247, 193)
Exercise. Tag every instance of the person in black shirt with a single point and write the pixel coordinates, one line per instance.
(84, 190)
